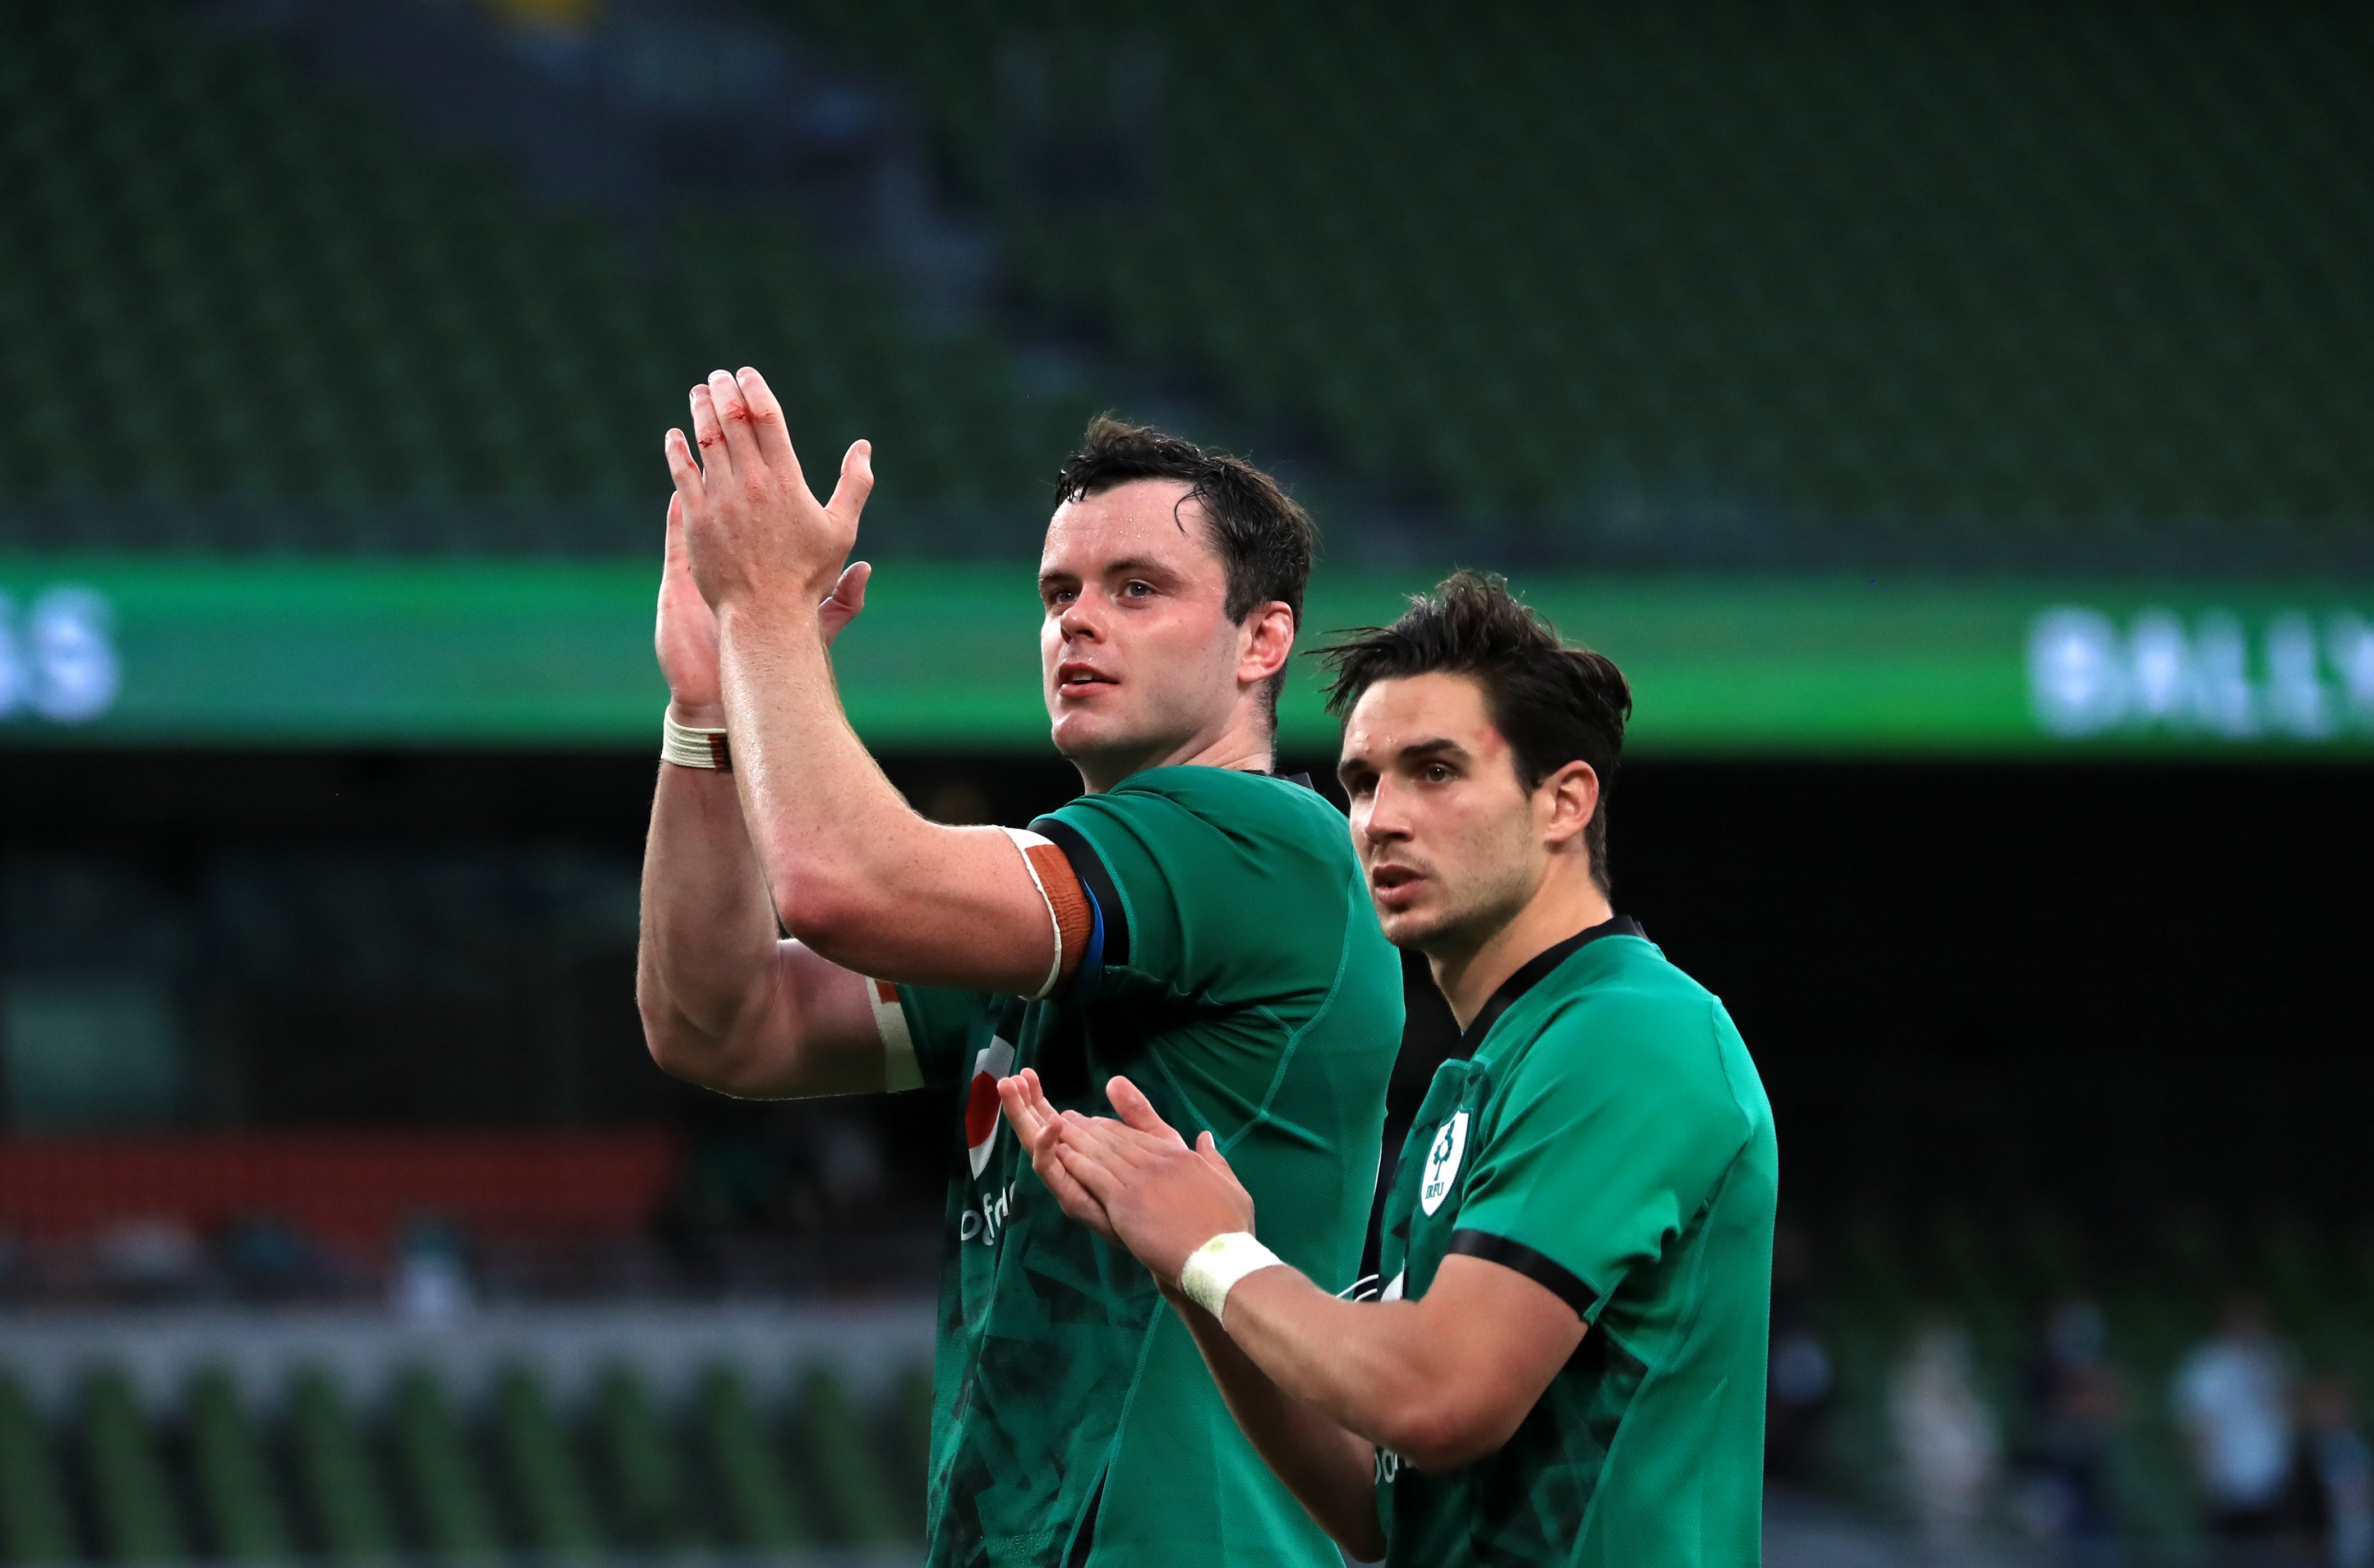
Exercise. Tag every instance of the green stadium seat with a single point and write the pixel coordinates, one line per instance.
(335, 1477)
(554, 1505)
(763, 1512)
(35, 1527)
(844, 1469)
(647, 1490)
(455, 1515)
(243, 1515)
(131, 1498)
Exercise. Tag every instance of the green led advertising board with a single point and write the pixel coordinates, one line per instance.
(407, 652)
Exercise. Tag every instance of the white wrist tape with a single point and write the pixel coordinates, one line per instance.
(1214, 1268)
(688, 746)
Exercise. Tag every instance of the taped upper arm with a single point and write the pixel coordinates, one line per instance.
(1069, 911)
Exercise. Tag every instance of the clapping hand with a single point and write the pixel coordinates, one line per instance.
(1136, 1179)
(686, 636)
(752, 530)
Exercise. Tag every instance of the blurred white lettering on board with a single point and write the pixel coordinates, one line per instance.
(57, 656)
(2293, 675)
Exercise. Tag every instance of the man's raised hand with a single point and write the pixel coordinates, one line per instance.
(686, 634)
(752, 528)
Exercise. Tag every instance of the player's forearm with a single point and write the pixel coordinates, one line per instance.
(1373, 1368)
(829, 828)
(1331, 1472)
(857, 874)
(707, 956)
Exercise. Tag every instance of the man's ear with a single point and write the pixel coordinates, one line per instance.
(1573, 796)
(1269, 641)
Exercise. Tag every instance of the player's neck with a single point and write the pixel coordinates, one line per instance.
(1244, 746)
(1566, 902)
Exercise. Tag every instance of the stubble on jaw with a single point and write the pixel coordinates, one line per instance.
(1474, 911)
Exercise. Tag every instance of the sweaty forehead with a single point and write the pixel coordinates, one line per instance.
(1143, 520)
(1412, 710)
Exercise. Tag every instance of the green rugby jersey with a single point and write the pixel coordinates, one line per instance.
(1236, 972)
(1607, 1136)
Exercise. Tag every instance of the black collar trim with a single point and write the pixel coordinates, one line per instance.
(1532, 972)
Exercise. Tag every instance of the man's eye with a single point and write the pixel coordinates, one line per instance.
(1438, 773)
(1138, 590)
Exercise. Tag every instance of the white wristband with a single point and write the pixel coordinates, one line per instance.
(1214, 1268)
(689, 746)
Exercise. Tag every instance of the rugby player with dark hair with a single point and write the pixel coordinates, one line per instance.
(1566, 1367)
(1073, 1420)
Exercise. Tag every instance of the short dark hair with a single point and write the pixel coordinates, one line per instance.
(1264, 541)
(1552, 703)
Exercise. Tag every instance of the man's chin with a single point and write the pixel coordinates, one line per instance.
(1412, 929)
(1085, 738)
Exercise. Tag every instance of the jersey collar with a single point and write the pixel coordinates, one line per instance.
(1532, 971)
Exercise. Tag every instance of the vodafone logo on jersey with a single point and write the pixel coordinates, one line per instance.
(982, 1117)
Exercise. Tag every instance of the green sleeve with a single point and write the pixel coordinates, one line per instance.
(1211, 891)
(1610, 1133)
(946, 1028)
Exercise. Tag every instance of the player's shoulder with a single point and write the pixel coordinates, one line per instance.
(1626, 977)
(1621, 1007)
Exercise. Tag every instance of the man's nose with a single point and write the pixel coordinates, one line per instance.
(1078, 621)
(1384, 819)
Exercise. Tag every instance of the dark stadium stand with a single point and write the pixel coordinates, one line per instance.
(1840, 283)
(1848, 285)
(245, 308)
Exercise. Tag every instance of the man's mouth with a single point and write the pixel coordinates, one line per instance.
(1394, 883)
(1079, 680)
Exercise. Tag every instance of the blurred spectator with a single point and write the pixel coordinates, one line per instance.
(2338, 1471)
(1802, 1380)
(1801, 1376)
(432, 1281)
(2076, 1401)
(269, 1259)
(1946, 1437)
(147, 1260)
(2232, 1396)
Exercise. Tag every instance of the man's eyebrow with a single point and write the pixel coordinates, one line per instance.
(1416, 750)
(1139, 565)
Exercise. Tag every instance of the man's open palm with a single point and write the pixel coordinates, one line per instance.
(752, 528)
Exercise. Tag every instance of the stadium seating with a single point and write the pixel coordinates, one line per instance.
(721, 1461)
(1836, 283)
(242, 309)
(230, 1475)
(1839, 285)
